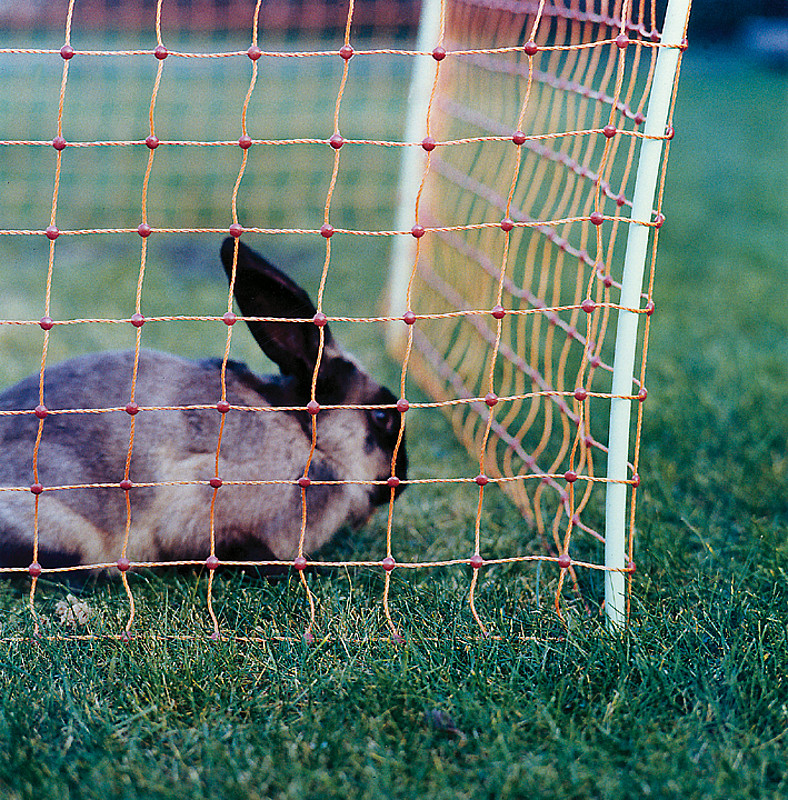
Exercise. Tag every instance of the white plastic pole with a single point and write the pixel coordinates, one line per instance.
(412, 168)
(627, 330)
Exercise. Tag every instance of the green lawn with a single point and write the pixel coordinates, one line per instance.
(691, 703)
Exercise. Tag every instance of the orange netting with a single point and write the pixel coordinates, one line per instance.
(532, 128)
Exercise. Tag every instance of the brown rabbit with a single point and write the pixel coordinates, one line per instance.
(259, 522)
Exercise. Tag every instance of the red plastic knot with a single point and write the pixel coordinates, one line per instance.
(235, 230)
(137, 320)
(34, 569)
(417, 231)
(596, 218)
(152, 142)
(570, 476)
(518, 137)
(66, 52)
(654, 35)
(491, 399)
(402, 405)
(621, 200)
(160, 52)
(639, 118)
(215, 483)
(650, 308)
(564, 561)
(123, 564)
(125, 637)
(393, 482)
(438, 53)
(245, 141)
(36, 488)
(659, 220)
(144, 230)
(254, 52)
(499, 312)
(477, 562)
(327, 230)
(622, 41)
(228, 318)
(46, 323)
(428, 143)
(309, 637)
(588, 305)
(126, 485)
(409, 318)
(388, 563)
(52, 233)
(59, 143)
(215, 636)
(320, 319)
(41, 411)
(313, 407)
(610, 131)
(670, 132)
(482, 479)
(222, 406)
(346, 52)
(336, 141)
(636, 480)
(630, 566)
(507, 224)
(642, 394)
(530, 48)
(580, 394)
(595, 360)
(684, 45)
(304, 482)
(132, 409)
(299, 563)
(607, 281)
(212, 562)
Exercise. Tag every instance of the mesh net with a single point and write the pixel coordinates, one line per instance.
(532, 128)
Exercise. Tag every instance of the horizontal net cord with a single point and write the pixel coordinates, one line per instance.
(411, 406)
(538, 308)
(258, 53)
(379, 564)
(476, 226)
(478, 480)
(248, 142)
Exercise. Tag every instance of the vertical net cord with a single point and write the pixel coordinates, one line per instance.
(35, 567)
(482, 480)
(212, 560)
(308, 635)
(396, 635)
(138, 339)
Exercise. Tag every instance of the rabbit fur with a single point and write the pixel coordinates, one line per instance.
(171, 522)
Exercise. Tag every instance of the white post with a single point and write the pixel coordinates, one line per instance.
(627, 330)
(412, 168)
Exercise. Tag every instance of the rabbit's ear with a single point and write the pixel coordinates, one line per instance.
(261, 290)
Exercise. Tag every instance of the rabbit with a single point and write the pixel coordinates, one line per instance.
(171, 522)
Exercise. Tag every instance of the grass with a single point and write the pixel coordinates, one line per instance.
(691, 703)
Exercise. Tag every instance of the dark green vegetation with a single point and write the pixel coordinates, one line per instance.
(691, 703)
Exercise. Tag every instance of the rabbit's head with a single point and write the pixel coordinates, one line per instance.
(357, 425)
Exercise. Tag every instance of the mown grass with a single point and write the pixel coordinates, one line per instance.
(692, 702)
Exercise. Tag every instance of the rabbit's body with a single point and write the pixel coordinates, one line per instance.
(172, 521)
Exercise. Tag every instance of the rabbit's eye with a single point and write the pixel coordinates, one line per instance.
(383, 418)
